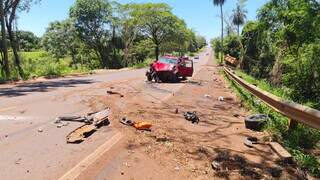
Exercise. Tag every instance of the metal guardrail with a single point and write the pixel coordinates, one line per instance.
(294, 111)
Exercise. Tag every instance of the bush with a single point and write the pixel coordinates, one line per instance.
(302, 75)
(231, 46)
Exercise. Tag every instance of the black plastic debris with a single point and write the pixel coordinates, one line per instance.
(191, 116)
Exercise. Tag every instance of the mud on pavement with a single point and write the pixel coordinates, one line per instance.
(176, 148)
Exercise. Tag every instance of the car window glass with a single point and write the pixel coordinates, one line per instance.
(167, 60)
(186, 63)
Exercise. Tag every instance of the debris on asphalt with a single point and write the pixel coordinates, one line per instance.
(40, 130)
(79, 134)
(256, 122)
(216, 165)
(142, 125)
(199, 83)
(282, 152)
(177, 111)
(250, 141)
(6, 135)
(18, 161)
(92, 123)
(72, 119)
(115, 93)
(236, 115)
(65, 123)
(162, 139)
(101, 118)
(220, 98)
(207, 96)
(191, 116)
(126, 121)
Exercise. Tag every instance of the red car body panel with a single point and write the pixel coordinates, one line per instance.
(159, 66)
(182, 66)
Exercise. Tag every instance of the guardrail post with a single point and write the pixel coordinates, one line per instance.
(292, 124)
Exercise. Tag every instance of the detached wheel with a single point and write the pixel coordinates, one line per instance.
(256, 122)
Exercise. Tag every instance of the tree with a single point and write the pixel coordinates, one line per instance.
(201, 41)
(60, 39)
(220, 3)
(4, 47)
(156, 21)
(239, 15)
(28, 41)
(93, 22)
(8, 15)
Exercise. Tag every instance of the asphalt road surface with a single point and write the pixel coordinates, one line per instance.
(31, 145)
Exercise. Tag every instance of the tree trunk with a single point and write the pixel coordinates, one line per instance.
(221, 11)
(238, 29)
(4, 41)
(157, 51)
(14, 46)
(126, 55)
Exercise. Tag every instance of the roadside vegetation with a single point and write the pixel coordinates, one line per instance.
(279, 52)
(97, 34)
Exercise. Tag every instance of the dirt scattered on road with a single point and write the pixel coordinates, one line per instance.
(180, 149)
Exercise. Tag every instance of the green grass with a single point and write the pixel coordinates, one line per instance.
(265, 85)
(41, 64)
(298, 141)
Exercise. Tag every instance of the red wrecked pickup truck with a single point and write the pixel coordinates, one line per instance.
(170, 69)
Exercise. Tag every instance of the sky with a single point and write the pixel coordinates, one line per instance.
(200, 15)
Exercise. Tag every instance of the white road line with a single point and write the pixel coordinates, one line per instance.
(86, 162)
(17, 118)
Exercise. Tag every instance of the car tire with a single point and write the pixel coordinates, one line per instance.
(256, 122)
(157, 78)
(149, 76)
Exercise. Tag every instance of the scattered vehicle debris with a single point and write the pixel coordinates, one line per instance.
(207, 96)
(256, 122)
(126, 121)
(40, 130)
(251, 141)
(199, 83)
(140, 125)
(92, 123)
(191, 116)
(216, 165)
(72, 119)
(231, 61)
(285, 156)
(115, 93)
(170, 69)
(220, 98)
(79, 134)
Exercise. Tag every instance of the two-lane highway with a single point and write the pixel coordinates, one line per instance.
(27, 153)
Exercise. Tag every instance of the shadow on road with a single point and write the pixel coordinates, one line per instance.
(24, 89)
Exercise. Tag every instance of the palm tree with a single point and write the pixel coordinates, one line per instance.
(239, 16)
(220, 3)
